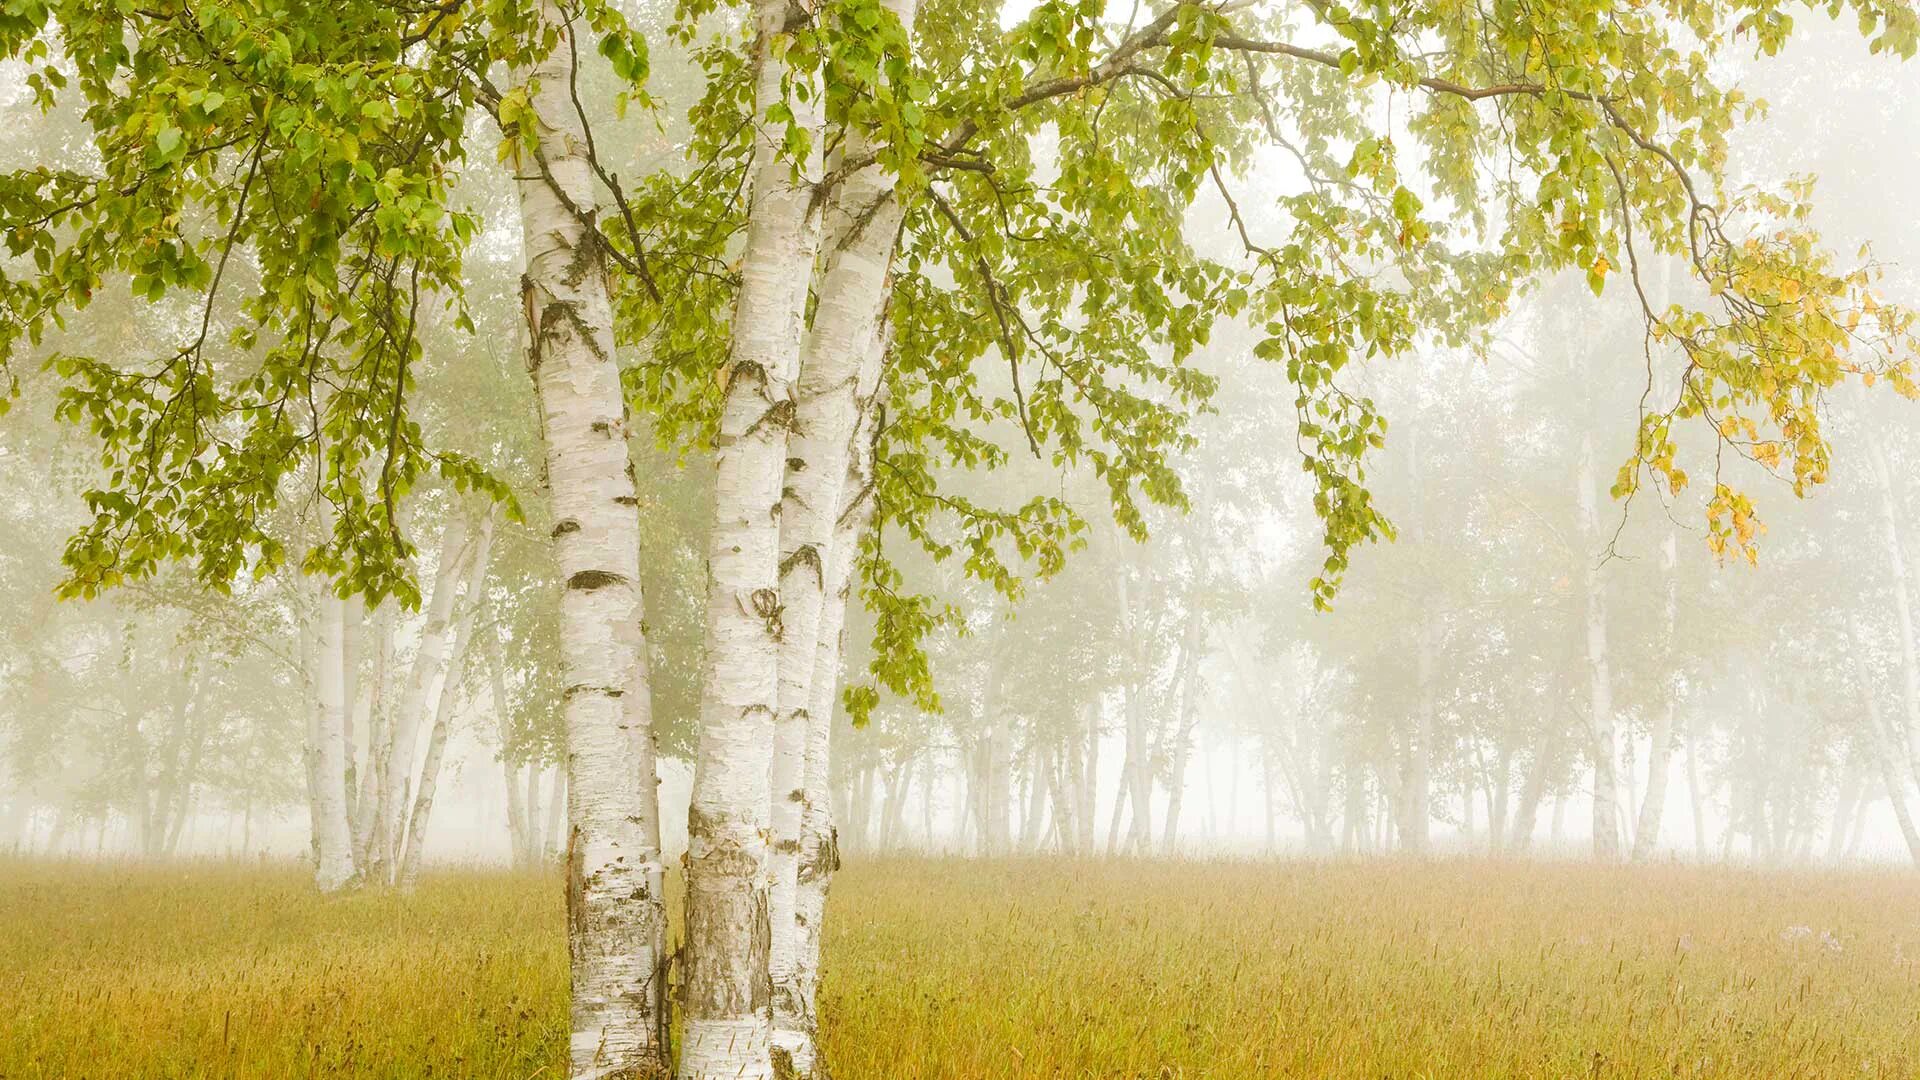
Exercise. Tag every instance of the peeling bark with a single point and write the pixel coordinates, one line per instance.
(728, 996)
(616, 919)
(862, 225)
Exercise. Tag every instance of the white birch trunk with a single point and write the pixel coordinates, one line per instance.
(728, 993)
(819, 844)
(1606, 825)
(429, 662)
(333, 833)
(616, 919)
(1653, 807)
(1902, 605)
(444, 707)
(862, 224)
(369, 828)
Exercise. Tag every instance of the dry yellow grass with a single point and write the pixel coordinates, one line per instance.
(1021, 968)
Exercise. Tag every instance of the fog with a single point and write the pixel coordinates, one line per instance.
(933, 538)
(1177, 694)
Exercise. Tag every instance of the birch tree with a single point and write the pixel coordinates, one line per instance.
(615, 901)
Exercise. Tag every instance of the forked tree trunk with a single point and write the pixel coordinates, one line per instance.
(862, 223)
(819, 846)
(728, 993)
(444, 707)
(429, 661)
(616, 918)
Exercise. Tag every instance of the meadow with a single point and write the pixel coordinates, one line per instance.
(1007, 968)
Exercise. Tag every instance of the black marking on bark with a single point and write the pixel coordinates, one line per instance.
(780, 414)
(805, 554)
(589, 688)
(601, 427)
(586, 256)
(589, 580)
(823, 859)
(533, 330)
(796, 464)
(736, 368)
(862, 220)
(787, 847)
(565, 526)
(766, 607)
(626, 500)
(577, 915)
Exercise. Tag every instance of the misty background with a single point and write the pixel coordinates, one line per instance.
(1178, 695)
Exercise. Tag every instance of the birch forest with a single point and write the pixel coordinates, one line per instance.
(904, 539)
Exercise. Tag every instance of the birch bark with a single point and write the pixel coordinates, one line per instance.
(616, 921)
(819, 843)
(862, 225)
(728, 993)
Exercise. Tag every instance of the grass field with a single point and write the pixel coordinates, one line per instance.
(1008, 969)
